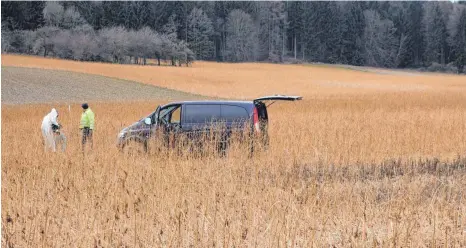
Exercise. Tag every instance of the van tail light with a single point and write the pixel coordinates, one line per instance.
(256, 120)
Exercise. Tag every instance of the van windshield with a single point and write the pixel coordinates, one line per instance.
(152, 115)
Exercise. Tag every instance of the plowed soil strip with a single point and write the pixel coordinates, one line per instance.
(28, 85)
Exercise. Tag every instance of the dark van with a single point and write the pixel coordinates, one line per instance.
(193, 118)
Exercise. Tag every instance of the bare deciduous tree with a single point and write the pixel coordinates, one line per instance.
(44, 39)
(241, 37)
(72, 18)
(53, 14)
(114, 42)
(61, 44)
(379, 39)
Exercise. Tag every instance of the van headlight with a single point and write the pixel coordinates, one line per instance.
(121, 134)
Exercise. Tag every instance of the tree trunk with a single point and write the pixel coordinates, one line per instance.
(295, 48)
(158, 61)
(283, 47)
(224, 43)
(302, 48)
(186, 33)
(442, 55)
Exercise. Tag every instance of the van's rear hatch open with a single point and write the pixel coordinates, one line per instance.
(278, 98)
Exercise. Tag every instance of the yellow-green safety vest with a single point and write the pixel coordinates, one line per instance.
(87, 119)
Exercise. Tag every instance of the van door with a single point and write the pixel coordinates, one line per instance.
(234, 117)
(199, 118)
(260, 104)
(261, 108)
(278, 98)
(169, 121)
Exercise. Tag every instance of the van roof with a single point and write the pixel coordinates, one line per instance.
(206, 102)
(243, 103)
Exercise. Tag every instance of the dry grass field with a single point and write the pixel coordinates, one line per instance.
(366, 159)
(250, 80)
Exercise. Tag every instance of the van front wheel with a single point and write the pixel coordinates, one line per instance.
(134, 146)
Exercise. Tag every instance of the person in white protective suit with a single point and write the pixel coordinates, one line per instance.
(49, 123)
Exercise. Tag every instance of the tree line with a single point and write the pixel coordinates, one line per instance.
(429, 35)
(62, 32)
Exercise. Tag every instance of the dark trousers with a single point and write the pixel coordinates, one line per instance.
(87, 136)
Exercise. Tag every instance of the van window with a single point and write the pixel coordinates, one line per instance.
(176, 116)
(166, 113)
(232, 113)
(202, 113)
(262, 111)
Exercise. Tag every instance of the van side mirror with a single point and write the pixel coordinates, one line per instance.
(148, 121)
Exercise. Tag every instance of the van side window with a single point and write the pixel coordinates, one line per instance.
(201, 113)
(176, 116)
(232, 113)
(262, 111)
(166, 113)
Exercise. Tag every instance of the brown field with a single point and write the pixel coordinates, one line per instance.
(32, 85)
(366, 159)
(249, 80)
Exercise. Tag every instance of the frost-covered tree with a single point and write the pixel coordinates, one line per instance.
(200, 30)
(241, 37)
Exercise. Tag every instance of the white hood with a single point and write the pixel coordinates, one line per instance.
(50, 118)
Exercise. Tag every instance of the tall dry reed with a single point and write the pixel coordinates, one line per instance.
(379, 170)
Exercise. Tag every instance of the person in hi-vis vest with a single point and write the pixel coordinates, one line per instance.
(87, 125)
